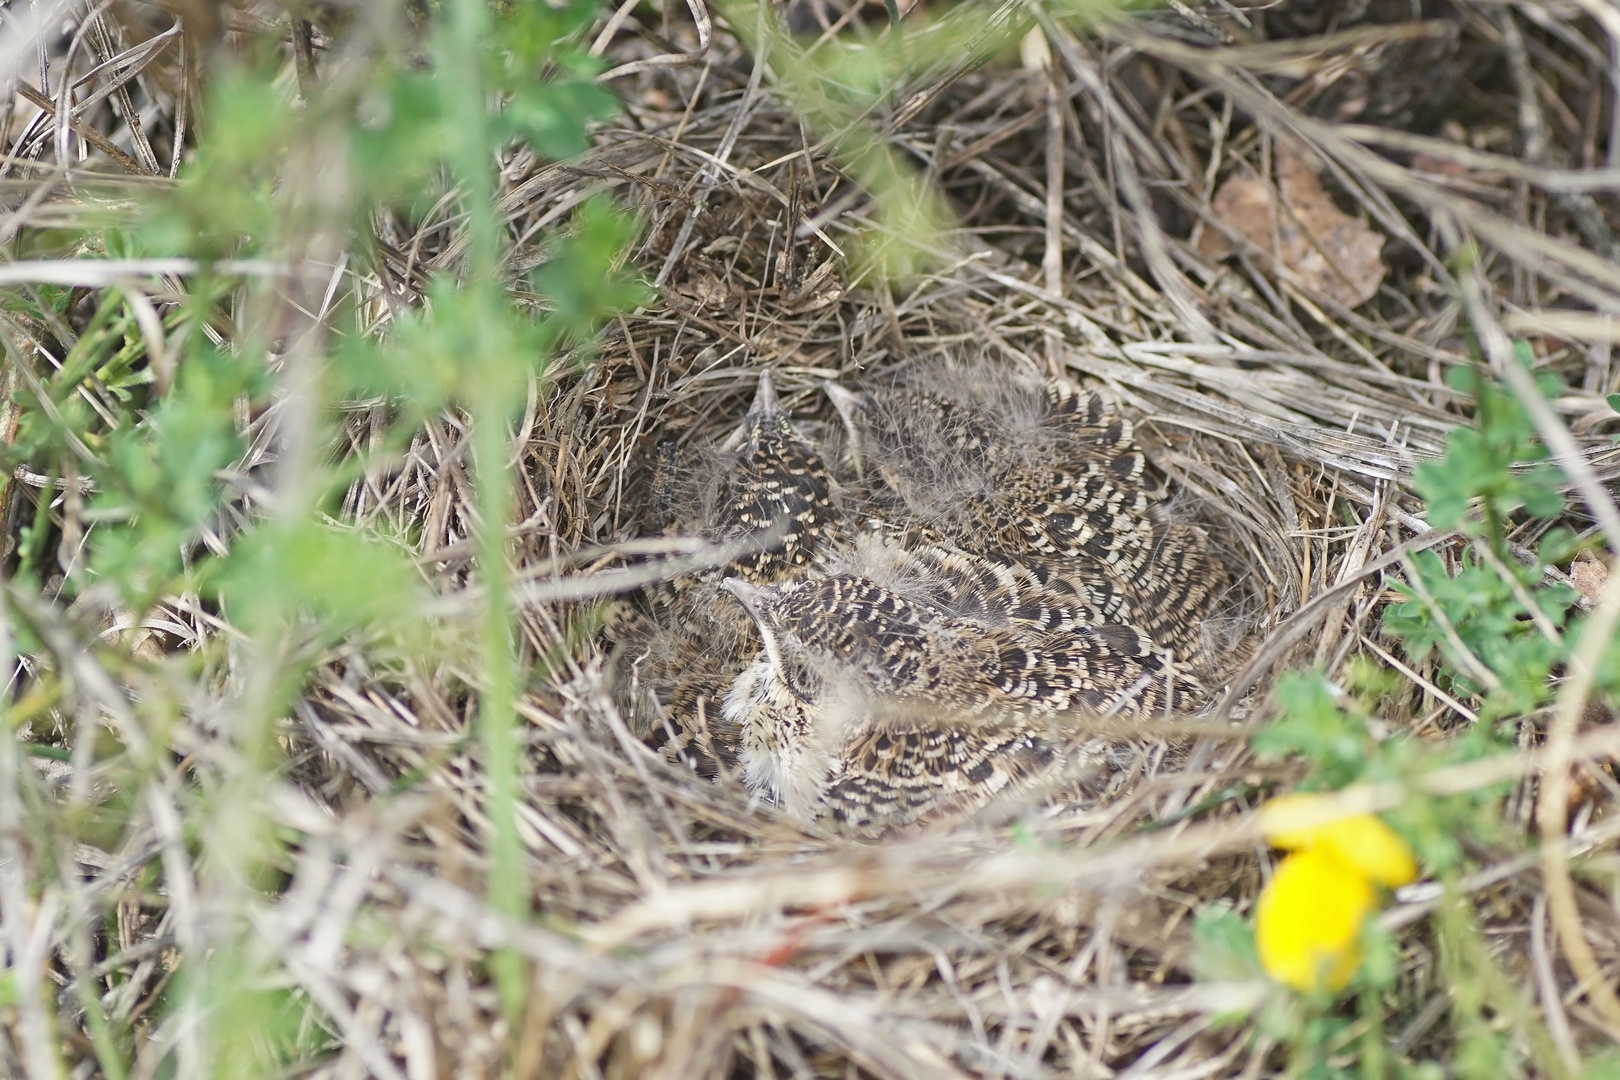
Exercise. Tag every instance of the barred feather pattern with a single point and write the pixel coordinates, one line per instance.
(692, 638)
(892, 776)
(1058, 486)
(864, 770)
(990, 587)
(1177, 590)
(1043, 476)
(852, 633)
(844, 656)
(780, 482)
(1019, 578)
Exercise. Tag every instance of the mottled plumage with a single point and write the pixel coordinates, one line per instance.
(898, 774)
(865, 767)
(777, 488)
(1176, 590)
(1015, 577)
(1047, 471)
(843, 654)
(851, 633)
(1042, 475)
(694, 639)
(990, 587)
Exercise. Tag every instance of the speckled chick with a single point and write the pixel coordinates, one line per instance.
(986, 587)
(1039, 473)
(988, 462)
(778, 489)
(694, 639)
(867, 767)
(844, 655)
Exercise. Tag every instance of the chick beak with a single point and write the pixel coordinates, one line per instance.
(766, 404)
(753, 597)
(766, 407)
(851, 408)
(756, 600)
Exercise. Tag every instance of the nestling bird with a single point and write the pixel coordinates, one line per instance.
(695, 639)
(822, 712)
(1176, 590)
(1039, 473)
(990, 588)
(1015, 578)
(867, 767)
(777, 480)
(988, 462)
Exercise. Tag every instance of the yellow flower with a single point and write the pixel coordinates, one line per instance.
(1309, 919)
(1362, 842)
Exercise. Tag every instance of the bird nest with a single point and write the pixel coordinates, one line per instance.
(685, 927)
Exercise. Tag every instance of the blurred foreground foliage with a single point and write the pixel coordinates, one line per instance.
(187, 438)
(196, 447)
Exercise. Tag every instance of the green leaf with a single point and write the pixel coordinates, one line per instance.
(532, 33)
(1603, 1064)
(1380, 957)
(1316, 728)
(470, 341)
(581, 284)
(552, 116)
(342, 577)
(1559, 545)
(1223, 946)
(223, 204)
(398, 136)
(1484, 462)
(1538, 490)
(161, 482)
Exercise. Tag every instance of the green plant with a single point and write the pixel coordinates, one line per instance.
(1499, 627)
(1495, 632)
(190, 438)
(141, 426)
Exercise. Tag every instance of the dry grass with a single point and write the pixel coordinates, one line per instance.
(681, 931)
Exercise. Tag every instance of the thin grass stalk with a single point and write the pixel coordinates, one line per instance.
(497, 716)
(507, 889)
(35, 1030)
(102, 1036)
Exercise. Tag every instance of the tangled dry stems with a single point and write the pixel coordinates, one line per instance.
(683, 931)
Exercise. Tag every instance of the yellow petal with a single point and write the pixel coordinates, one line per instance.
(1309, 919)
(1363, 841)
(1372, 847)
(1280, 819)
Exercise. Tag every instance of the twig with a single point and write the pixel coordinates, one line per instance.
(101, 273)
(602, 583)
(1552, 807)
(1552, 999)
(1301, 622)
(912, 867)
(84, 131)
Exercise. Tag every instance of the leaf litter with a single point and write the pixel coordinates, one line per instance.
(1295, 222)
